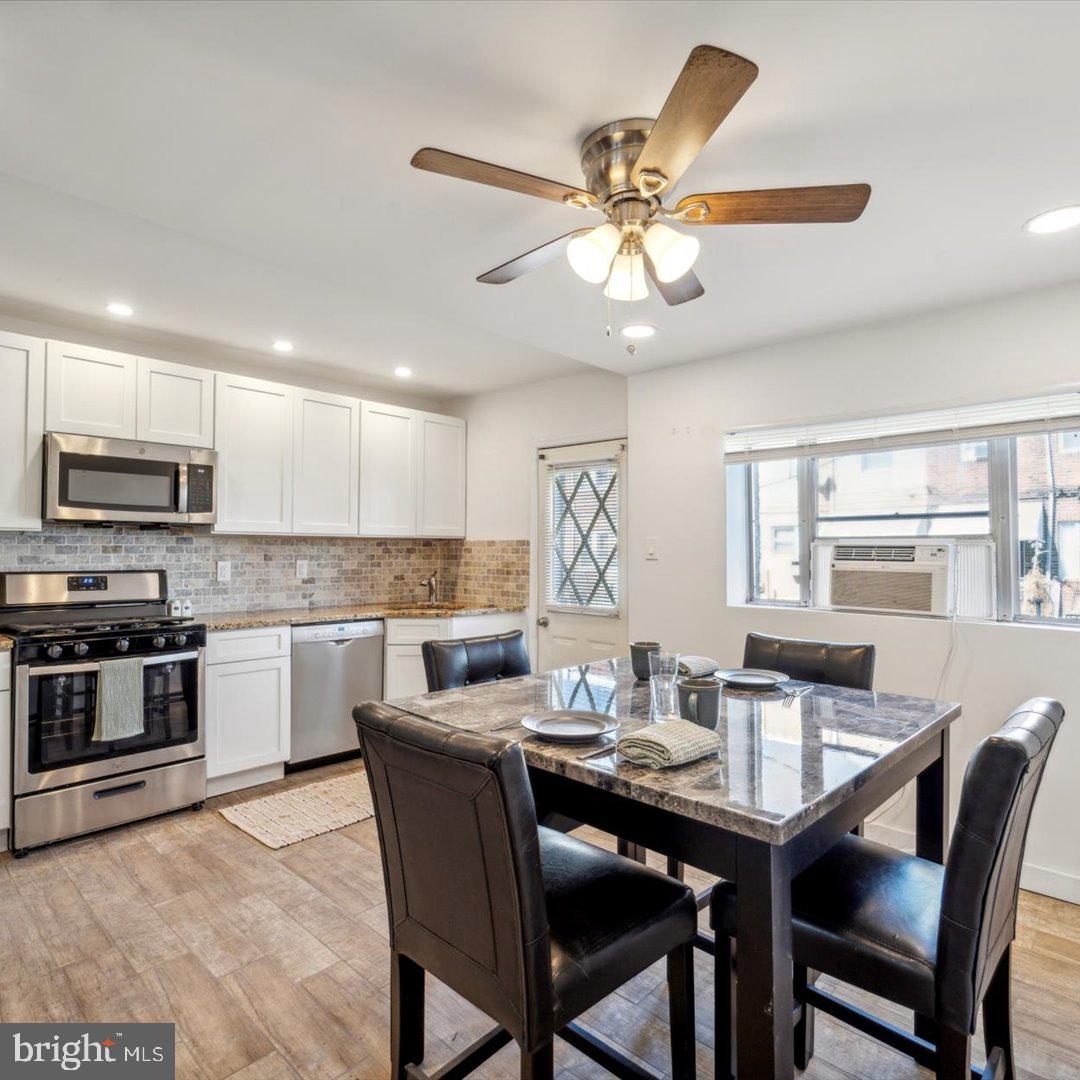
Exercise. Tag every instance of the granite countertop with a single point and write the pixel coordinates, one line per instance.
(5, 643)
(783, 764)
(242, 620)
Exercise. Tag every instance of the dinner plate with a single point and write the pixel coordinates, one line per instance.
(752, 678)
(569, 725)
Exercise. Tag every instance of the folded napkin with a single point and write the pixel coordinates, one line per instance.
(671, 742)
(697, 667)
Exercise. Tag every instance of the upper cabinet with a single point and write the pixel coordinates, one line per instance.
(389, 469)
(441, 502)
(175, 404)
(117, 396)
(22, 418)
(326, 463)
(254, 438)
(90, 391)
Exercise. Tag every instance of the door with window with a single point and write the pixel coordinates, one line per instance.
(581, 596)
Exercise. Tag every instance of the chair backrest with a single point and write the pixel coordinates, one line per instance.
(449, 664)
(461, 861)
(982, 873)
(813, 661)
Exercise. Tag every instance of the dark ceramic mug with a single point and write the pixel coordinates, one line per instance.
(699, 700)
(639, 657)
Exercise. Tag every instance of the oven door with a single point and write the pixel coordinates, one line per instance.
(90, 479)
(56, 715)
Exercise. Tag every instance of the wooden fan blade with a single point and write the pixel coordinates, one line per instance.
(531, 260)
(483, 172)
(678, 291)
(778, 206)
(707, 89)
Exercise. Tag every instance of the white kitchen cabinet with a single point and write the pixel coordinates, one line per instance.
(404, 674)
(247, 715)
(22, 418)
(90, 391)
(174, 403)
(253, 434)
(326, 463)
(441, 483)
(389, 451)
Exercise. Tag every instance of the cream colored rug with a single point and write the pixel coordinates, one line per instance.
(288, 817)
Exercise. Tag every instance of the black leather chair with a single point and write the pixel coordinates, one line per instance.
(530, 925)
(464, 661)
(812, 661)
(934, 939)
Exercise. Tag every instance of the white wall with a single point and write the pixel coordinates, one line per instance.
(1021, 345)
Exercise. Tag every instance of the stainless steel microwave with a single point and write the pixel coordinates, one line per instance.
(106, 480)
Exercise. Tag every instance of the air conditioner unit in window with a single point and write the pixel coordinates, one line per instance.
(930, 578)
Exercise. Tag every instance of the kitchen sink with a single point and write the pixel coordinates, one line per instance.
(438, 605)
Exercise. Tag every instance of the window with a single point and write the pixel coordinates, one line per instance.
(926, 491)
(1015, 489)
(582, 537)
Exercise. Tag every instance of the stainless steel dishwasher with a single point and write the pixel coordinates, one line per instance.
(334, 666)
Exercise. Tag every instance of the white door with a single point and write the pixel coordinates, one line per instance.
(326, 463)
(247, 715)
(22, 418)
(175, 403)
(441, 508)
(581, 594)
(389, 443)
(90, 391)
(253, 436)
(405, 675)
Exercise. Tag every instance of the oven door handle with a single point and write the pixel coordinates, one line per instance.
(81, 669)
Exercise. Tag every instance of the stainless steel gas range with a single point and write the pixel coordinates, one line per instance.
(80, 642)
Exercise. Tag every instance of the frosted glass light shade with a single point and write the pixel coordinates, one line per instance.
(672, 253)
(627, 280)
(590, 255)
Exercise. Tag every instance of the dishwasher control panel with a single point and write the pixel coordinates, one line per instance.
(347, 631)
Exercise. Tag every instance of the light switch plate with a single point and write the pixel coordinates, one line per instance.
(652, 548)
(224, 571)
(301, 569)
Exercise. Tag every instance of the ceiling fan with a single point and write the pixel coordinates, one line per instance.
(629, 165)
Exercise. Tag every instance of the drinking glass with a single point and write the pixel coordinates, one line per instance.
(663, 689)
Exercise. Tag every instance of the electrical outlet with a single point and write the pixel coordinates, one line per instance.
(224, 571)
(301, 569)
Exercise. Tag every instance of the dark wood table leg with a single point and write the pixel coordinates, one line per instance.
(932, 834)
(764, 1040)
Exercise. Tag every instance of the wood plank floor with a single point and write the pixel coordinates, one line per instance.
(273, 965)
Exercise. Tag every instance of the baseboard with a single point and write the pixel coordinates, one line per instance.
(1033, 878)
(264, 774)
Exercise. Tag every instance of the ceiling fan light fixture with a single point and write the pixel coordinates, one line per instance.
(672, 252)
(627, 280)
(590, 255)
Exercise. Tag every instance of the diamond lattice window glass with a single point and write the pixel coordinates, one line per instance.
(582, 537)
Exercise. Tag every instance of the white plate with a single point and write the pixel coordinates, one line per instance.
(752, 678)
(569, 725)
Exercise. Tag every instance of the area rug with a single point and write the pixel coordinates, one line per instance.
(287, 817)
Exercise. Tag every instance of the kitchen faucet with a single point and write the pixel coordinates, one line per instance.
(432, 586)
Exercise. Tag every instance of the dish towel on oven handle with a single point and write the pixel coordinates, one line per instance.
(670, 742)
(119, 710)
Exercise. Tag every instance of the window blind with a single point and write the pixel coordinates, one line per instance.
(967, 423)
(581, 515)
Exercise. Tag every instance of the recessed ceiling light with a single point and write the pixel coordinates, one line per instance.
(1065, 217)
(638, 330)
(282, 346)
(403, 372)
(116, 308)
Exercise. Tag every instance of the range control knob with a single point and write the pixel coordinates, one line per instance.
(54, 652)
(122, 644)
(81, 648)
(180, 639)
(158, 641)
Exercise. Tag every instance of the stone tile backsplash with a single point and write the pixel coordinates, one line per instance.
(340, 569)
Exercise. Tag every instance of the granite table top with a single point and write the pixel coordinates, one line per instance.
(784, 762)
(242, 620)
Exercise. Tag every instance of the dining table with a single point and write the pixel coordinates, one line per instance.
(798, 767)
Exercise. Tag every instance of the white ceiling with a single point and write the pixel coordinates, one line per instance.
(239, 171)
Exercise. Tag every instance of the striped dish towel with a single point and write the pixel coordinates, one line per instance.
(697, 667)
(671, 742)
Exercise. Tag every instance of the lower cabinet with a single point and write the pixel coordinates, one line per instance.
(404, 672)
(247, 712)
